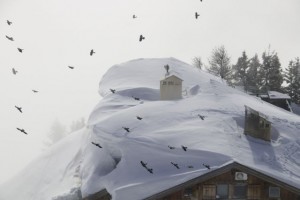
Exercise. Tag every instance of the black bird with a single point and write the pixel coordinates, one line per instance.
(196, 15)
(22, 130)
(201, 117)
(207, 166)
(8, 22)
(139, 118)
(136, 98)
(96, 144)
(144, 164)
(150, 170)
(10, 38)
(71, 67)
(112, 91)
(170, 147)
(14, 71)
(19, 108)
(184, 148)
(175, 165)
(35, 91)
(92, 52)
(141, 38)
(20, 50)
(134, 16)
(126, 129)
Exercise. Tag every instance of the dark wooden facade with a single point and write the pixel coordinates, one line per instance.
(225, 183)
(256, 124)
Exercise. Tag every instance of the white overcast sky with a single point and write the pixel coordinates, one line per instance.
(58, 33)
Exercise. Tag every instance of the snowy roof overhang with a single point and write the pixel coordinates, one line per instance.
(168, 77)
(278, 95)
(251, 110)
(222, 170)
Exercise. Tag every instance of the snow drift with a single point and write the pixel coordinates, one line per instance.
(75, 167)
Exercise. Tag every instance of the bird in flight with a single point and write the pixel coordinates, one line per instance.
(10, 38)
(150, 170)
(141, 38)
(126, 129)
(139, 118)
(144, 164)
(71, 67)
(8, 22)
(184, 148)
(207, 166)
(197, 15)
(175, 165)
(170, 147)
(20, 50)
(97, 145)
(35, 91)
(201, 116)
(136, 98)
(92, 52)
(112, 90)
(14, 71)
(19, 108)
(22, 130)
(134, 16)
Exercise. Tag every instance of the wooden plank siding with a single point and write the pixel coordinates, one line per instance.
(256, 187)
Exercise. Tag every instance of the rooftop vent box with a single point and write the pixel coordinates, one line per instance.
(241, 176)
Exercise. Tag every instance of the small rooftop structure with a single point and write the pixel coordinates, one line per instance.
(171, 88)
(278, 99)
(257, 124)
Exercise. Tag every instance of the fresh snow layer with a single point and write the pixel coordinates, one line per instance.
(76, 167)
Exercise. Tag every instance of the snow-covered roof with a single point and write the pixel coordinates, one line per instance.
(278, 95)
(171, 76)
(75, 164)
(256, 112)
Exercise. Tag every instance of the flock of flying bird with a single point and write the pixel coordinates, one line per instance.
(127, 129)
(14, 71)
(144, 164)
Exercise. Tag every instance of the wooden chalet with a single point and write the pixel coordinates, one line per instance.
(233, 181)
(257, 124)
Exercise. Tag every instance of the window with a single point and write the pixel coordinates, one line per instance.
(188, 192)
(254, 192)
(267, 125)
(222, 191)
(209, 192)
(170, 83)
(164, 83)
(240, 191)
(261, 123)
(274, 192)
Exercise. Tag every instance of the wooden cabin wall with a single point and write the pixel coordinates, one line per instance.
(257, 189)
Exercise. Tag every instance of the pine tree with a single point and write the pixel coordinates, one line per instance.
(57, 132)
(220, 63)
(253, 76)
(292, 78)
(240, 71)
(271, 72)
(77, 125)
(197, 62)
